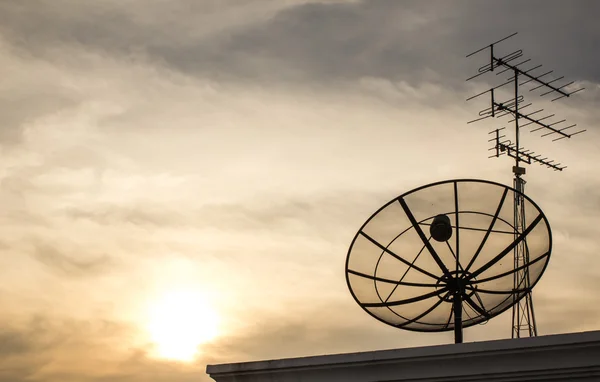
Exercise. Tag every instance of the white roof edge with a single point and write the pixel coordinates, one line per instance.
(504, 345)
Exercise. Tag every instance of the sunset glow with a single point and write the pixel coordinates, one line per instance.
(179, 323)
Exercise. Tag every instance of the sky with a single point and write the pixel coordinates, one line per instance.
(180, 180)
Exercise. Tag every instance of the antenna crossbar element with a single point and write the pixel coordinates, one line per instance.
(491, 45)
(525, 73)
(517, 114)
(506, 147)
(505, 62)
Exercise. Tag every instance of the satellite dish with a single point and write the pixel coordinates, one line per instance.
(441, 257)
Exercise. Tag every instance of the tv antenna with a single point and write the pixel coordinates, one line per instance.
(523, 318)
(437, 258)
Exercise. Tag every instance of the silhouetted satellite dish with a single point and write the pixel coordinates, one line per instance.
(465, 276)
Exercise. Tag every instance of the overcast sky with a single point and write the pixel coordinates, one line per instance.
(233, 149)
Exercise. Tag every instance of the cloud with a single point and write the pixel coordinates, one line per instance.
(28, 94)
(52, 348)
(71, 266)
(315, 41)
(23, 350)
(260, 213)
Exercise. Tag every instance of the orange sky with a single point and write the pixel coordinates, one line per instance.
(189, 175)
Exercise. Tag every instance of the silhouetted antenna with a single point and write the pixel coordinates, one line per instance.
(505, 146)
(521, 73)
(512, 106)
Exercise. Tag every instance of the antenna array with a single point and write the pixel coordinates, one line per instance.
(505, 146)
(514, 64)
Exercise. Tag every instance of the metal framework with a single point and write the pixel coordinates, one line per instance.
(523, 318)
(410, 281)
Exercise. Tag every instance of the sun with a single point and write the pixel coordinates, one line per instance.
(179, 322)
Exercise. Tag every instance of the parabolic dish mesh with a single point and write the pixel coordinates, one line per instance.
(395, 277)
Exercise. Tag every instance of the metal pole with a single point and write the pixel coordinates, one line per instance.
(457, 305)
(517, 118)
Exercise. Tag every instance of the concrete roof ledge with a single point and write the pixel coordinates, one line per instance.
(542, 353)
